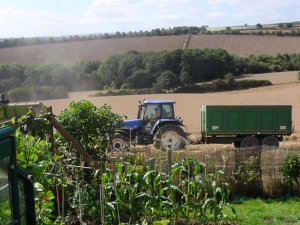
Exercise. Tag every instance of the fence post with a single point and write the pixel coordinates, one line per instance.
(169, 161)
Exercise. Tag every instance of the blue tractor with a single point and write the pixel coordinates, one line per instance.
(155, 124)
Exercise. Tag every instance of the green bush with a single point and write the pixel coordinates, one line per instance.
(247, 178)
(291, 169)
(244, 84)
(221, 85)
(154, 90)
(230, 81)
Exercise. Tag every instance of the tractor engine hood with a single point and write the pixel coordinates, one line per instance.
(132, 124)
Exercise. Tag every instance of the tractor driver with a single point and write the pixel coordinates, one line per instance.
(157, 113)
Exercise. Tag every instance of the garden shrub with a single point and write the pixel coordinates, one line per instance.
(291, 169)
(247, 178)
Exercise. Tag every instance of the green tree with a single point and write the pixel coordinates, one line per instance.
(130, 62)
(186, 79)
(51, 40)
(140, 79)
(259, 26)
(90, 126)
(117, 34)
(239, 65)
(141, 33)
(155, 32)
(8, 84)
(176, 31)
(130, 34)
(108, 70)
(105, 36)
(76, 38)
(168, 80)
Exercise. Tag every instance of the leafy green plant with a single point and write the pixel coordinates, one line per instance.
(247, 178)
(5, 212)
(44, 206)
(162, 222)
(33, 155)
(291, 169)
(34, 124)
(91, 126)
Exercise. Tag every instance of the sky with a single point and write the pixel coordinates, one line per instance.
(36, 18)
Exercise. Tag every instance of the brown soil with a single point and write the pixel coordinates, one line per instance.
(188, 105)
(102, 49)
(88, 50)
(246, 45)
(275, 78)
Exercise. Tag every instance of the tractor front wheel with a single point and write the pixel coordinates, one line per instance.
(120, 143)
(170, 136)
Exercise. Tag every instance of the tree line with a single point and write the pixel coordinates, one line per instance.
(179, 30)
(132, 70)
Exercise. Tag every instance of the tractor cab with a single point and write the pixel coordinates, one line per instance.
(153, 112)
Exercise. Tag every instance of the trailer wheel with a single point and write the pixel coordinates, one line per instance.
(249, 142)
(237, 144)
(170, 136)
(270, 141)
(120, 143)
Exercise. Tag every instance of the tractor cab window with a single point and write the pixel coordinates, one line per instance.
(167, 112)
(151, 111)
(158, 111)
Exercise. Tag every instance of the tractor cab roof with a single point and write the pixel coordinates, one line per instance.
(149, 102)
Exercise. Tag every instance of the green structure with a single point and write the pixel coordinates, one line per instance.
(16, 110)
(16, 187)
(246, 125)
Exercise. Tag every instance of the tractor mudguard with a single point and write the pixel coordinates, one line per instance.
(160, 122)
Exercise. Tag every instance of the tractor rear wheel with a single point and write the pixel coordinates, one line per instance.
(270, 141)
(120, 143)
(170, 136)
(249, 142)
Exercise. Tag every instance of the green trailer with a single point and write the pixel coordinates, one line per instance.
(247, 125)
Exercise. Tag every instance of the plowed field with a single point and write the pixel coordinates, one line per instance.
(246, 45)
(102, 49)
(285, 92)
(87, 50)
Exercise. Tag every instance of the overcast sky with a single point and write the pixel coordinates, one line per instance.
(31, 18)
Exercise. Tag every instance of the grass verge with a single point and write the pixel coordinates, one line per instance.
(260, 211)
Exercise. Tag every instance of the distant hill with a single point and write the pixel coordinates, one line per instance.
(102, 49)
